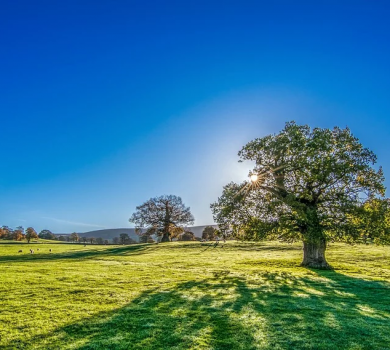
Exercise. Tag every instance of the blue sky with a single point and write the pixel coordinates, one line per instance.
(104, 104)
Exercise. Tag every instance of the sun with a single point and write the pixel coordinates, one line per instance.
(254, 177)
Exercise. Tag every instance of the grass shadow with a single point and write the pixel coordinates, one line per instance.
(273, 311)
(76, 254)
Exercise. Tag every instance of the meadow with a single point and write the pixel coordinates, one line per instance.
(192, 296)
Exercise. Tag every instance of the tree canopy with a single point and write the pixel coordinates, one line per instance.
(47, 234)
(313, 185)
(30, 234)
(209, 232)
(74, 237)
(164, 216)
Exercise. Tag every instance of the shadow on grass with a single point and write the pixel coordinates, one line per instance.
(275, 311)
(242, 246)
(259, 247)
(75, 254)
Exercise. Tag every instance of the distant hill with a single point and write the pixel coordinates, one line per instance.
(115, 232)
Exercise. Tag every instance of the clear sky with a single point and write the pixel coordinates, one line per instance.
(105, 104)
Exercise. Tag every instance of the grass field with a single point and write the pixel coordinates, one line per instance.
(192, 296)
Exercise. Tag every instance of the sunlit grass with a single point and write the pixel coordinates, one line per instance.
(192, 296)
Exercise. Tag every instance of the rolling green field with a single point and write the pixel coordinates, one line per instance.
(192, 296)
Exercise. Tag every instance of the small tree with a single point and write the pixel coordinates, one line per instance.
(74, 237)
(47, 234)
(8, 232)
(188, 236)
(92, 239)
(145, 236)
(3, 232)
(99, 240)
(30, 234)
(62, 238)
(106, 242)
(373, 221)
(84, 239)
(124, 238)
(209, 232)
(17, 234)
(115, 240)
(162, 215)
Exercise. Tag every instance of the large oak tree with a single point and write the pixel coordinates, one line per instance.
(164, 216)
(311, 185)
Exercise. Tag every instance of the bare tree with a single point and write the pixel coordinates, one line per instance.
(162, 216)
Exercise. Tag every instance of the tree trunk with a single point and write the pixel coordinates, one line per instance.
(167, 221)
(314, 255)
(165, 237)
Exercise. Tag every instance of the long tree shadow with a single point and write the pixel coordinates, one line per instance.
(77, 254)
(273, 311)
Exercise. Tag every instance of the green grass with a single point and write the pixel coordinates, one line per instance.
(192, 296)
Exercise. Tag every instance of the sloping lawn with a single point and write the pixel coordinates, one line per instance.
(192, 296)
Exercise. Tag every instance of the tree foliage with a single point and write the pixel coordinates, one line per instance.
(124, 238)
(187, 236)
(30, 234)
(5, 232)
(312, 185)
(17, 234)
(47, 234)
(209, 232)
(74, 237)
(164, 216)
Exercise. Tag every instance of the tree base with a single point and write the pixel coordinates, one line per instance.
(317, 265)
(314, 255)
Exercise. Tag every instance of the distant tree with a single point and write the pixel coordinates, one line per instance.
(144, 235)
(30, 234)
(8, 232)
(162, 215)
(17, 234)
(373, 221)
(84, 239)
(62, 238)
(92, 239)
(47, 234)
(209, 232)
(67, 238)
(99, 240)
(116, 240)
(74, 237)
(307, 185)
(3, 232)
(124, 237)
(187, 236)
(106, 241)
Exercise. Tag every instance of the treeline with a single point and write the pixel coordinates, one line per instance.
(21, 234)
(18, 234)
